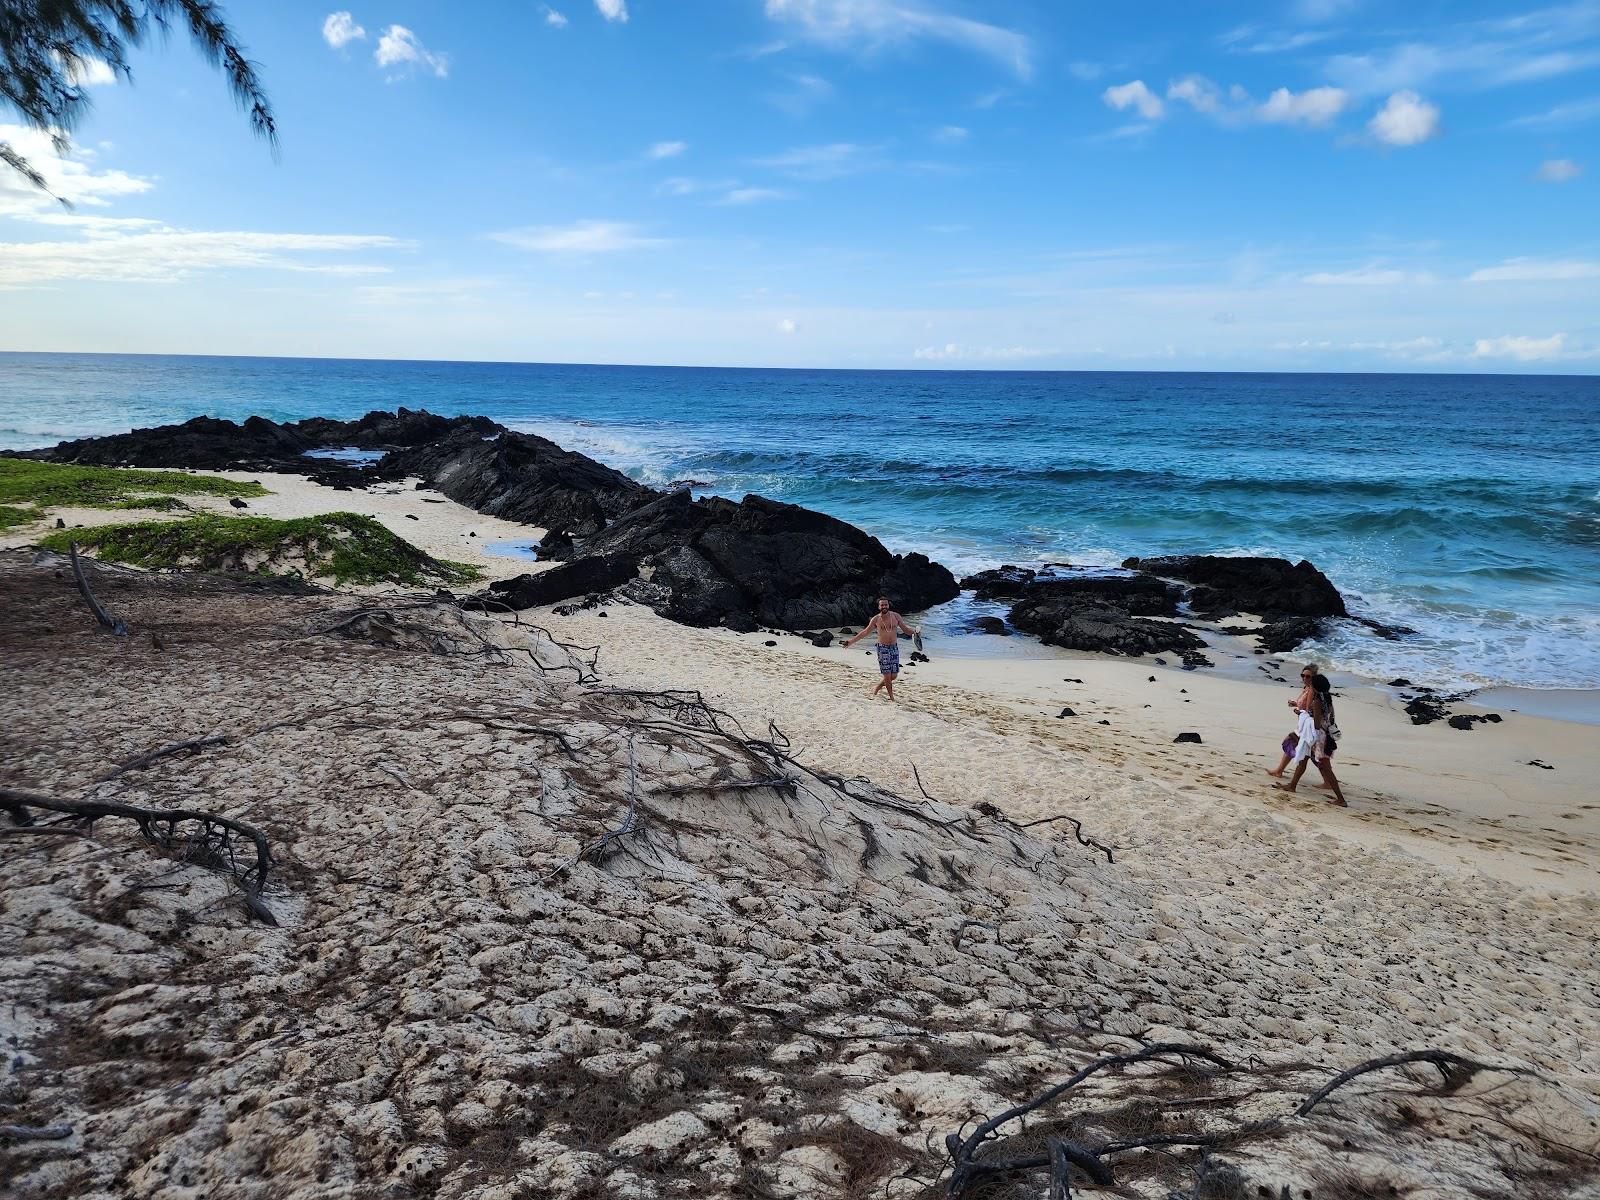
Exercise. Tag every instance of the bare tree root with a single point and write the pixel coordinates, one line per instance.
(114, 624)
(1457, 1072)
(969, 1165)
(193, 746)
(1077, 831)
(211, 845)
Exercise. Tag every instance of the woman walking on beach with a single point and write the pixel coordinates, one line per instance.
(1315, 738)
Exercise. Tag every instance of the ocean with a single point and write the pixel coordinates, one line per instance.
(1465, 507)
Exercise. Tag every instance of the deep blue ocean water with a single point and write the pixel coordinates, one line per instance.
(1467, 507)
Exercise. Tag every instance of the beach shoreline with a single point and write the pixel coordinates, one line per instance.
(1465, 800)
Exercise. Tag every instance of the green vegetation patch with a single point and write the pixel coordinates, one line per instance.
(345, 547)
(26, 487)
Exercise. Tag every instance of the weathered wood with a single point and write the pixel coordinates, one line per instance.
(114, 624)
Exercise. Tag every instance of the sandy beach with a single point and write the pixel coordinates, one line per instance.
(450, 978)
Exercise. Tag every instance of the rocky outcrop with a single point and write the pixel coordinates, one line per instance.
(761, 562)
(203, 444)
(1007, 582)
(380, 430)
(1268, 587)
(1137, 595)
(1100, 628)
(522, 477)
(1279, 637)
(581, 577)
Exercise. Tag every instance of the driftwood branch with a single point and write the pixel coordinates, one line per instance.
(114, 624)
(1457, 1071)
(208, 841)
(1077, 832)
(35, 1133)
(192, 746)
(969, 1165)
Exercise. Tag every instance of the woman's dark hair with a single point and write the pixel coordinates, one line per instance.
(1321, 685)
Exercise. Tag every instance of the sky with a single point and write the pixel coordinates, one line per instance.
(1290, 185)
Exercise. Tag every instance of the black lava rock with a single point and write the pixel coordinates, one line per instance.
(1269, 587)
(599, 573)
(1065, 712)
(1188, 737)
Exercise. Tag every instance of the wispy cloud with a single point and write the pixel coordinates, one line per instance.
(958, 352)
(1577, 112)
(802, 93)
(581, 237)
(73, 177)
(1372, 275)
(1558, 170)
(667, 149)
(339, 29)
(951, 135)
(613, 10)
(823, 162)
(750, 195)
(1137, 96)
(170, 255)
(401, 52)
(1521, 348)
(872, 24)
(1314, 106)
(552, 17)
(1528, 270)
(1405, 119)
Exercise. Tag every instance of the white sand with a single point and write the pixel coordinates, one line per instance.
(792, 991)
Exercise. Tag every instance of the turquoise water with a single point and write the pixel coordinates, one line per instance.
(1467, 507)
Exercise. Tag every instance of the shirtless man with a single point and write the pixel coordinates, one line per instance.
(888, 625)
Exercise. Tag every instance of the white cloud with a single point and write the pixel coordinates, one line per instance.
(170, 255)
(787, 325)
(90, 72)
(871, 24)
(1558, 170)
(1577, 113)
(750, 195)
(1314, 106)
(402, 49)
(1406, 119)
(339, 29)
(955, 351)
(582, 237)
(951, 135)
(613, 10)
(1198, 92)
(1368, 276)
(1136, 96)
(821, 162)
(807, 92)
(70, 177)
(1522, 349)
(552, 17)
(1527, 270)
(668, 149)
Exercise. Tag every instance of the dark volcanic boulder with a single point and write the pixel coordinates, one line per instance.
(380, 430)
(1136, 595)
(204, 444)
(599, 573)
(1099, 628)
(759, 561)
(522, 477)
(1279, 637)
(1000, 583)
(1269, 587)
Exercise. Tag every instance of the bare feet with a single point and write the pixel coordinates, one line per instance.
(1283, 787)
(1327, 787)
(1338, 803)
(1274, 774)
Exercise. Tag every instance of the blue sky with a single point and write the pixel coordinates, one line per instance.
(1291, 185)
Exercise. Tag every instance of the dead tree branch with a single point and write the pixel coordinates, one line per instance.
(35, 1133)
(114, 624)
(193, 746)
(209, 842)
(1457, 1071)
(1077, 831)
